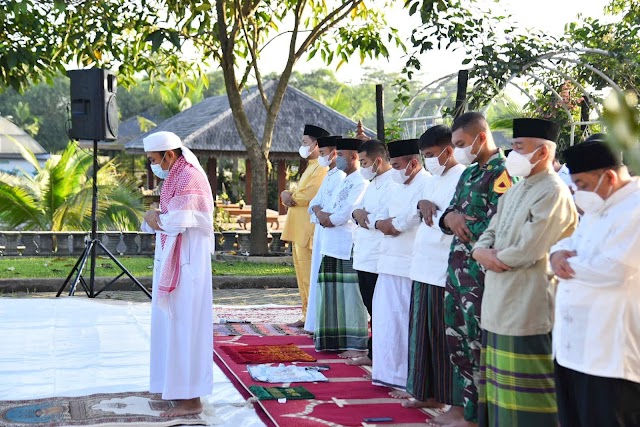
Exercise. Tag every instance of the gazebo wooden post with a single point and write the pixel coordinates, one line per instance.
(212, 174)
(282, 184)
(247, 182)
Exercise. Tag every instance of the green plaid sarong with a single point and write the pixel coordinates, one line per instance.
(517, 385)
(341, 317)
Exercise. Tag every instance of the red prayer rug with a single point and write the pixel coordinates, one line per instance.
(255, 354)
(263, 329)
(103, 410)
(345, 400)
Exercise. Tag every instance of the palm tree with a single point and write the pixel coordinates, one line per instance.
(58, 196)
(501, 114)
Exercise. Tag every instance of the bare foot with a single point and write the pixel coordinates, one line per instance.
(360, 361)
(352, 353)
(367, 376)
(307, 332)
(454, 415)
(184, 407)
(298, 324)
(429, 403)
(399, 394)
(462, 423)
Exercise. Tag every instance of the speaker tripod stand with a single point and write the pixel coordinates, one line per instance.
(90, 251)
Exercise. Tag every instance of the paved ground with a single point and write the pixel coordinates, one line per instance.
(282, 296)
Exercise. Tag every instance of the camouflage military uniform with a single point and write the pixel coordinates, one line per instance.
(477, 196)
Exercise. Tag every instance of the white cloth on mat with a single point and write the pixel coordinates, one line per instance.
(284, 374)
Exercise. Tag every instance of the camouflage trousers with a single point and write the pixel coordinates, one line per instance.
(464, 337)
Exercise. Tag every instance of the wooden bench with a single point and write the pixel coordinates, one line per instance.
(273, 219)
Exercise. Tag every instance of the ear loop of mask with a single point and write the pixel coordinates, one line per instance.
(600, 181)
(438, 157)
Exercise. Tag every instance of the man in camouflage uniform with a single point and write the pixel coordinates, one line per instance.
(474, 203)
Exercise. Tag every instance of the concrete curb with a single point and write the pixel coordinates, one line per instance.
(124, 284)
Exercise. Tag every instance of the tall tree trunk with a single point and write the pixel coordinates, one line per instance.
(259, 241)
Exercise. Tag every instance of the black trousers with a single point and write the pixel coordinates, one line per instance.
(589, 401)
(367, 282)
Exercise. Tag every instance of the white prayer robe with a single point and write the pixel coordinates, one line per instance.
(322, 198)
(367, 241)
(182, 338)
(597, 312)
(565, 176)
(337, 241)
(430, 257)
(392, 297)
(350, 317)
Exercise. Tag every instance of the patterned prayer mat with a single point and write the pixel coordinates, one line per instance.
(255, 354)
(262, 329)
(258, 314)
(275, 393)
(345, 400)
(103, 410)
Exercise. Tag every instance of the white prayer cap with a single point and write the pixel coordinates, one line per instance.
(161, 141)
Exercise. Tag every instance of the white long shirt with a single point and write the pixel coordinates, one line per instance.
(597, 313)
(337, 241)
(431, 246)
(322, 198)
(325, 193)
(398, 249)
(565, 176)
(366, 241)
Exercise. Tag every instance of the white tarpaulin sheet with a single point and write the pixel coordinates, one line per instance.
(72, 346)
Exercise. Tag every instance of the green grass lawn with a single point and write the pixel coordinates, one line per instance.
(42, 267)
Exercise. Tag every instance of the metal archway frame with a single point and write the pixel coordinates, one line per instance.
(541, 61)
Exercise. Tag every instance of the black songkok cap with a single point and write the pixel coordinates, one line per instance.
(328, 141)
(315, 131)
(349, 144)
(536, 128)
(403, 147)
(594, 153)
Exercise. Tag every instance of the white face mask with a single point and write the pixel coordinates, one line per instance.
(158, 171)
(305, 151)
(520, 164)
(590, 201)
(433, 164)
(400, 176)
(324, 161)
(368, 173)
(463, 155)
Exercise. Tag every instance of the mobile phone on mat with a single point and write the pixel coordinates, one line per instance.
(378, 420)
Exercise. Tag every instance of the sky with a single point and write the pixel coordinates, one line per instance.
(549, 16)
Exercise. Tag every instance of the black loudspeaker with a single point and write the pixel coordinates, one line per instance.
(94, 112)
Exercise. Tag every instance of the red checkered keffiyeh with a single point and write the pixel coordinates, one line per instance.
(185, 202)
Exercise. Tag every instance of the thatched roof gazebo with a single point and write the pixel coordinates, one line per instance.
(11, 158)
(208, 129)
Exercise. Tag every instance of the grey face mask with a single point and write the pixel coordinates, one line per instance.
(341, 163)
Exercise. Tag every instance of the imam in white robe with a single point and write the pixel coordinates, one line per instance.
(181, 365)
